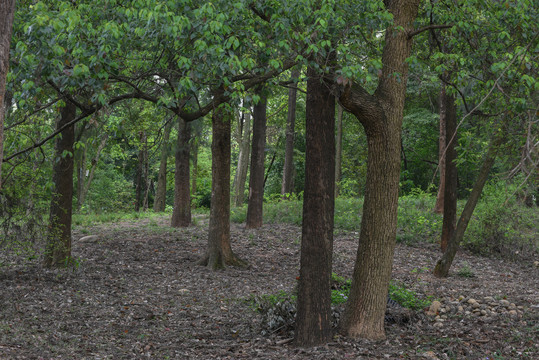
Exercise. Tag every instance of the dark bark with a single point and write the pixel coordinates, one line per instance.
(161, 193)
(313, 319)
(7, 9)
(181, 215)
(450, 178)
(243, 160)
(58, 248)
(256, 177)
(219, 253)
(439, 206)
(444, 264)
(146, 175)
(338, 150)
(288, 184)
(139, 181)
(381, 115)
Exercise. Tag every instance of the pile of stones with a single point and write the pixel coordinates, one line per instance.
(487, 309)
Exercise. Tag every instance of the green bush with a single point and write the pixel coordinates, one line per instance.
(415, 219)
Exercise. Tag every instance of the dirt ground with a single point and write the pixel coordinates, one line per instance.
(138, 293)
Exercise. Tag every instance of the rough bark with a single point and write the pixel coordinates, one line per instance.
(313, 320)
(58, 248)
(338, 150)
(288, 167)
(146, 175)
(256, 177)
(439, 206)
(243, 161)
(381, 115)
(194, 175)
(181, 215)
(7, 9)
(161, 193)
(450, 178)
(444, 264)
(219, 253)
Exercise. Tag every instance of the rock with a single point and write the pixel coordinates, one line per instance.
(434, 308)
(460, 309)
(184, 291)
(513, 313)
(504, 303)
(476, 305)
(483, 312)
(472, 301)
(489, 299)
(460, 298)
(88, 238)
(536, 264)
(438, 324)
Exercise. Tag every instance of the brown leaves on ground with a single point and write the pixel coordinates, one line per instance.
(139, 293)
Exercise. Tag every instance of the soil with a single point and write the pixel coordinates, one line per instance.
(137, 292)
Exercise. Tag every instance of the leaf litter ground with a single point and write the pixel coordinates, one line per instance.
(138, 293)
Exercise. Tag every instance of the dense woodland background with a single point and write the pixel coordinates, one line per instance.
(324, 114)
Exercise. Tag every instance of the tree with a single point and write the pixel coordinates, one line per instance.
(58, 249)
(338, 150)
(244, 139)
(288, 167)
(381, 115)
(161, 193)
(7, 9)
(256, 177)
(313, 320)
(181, 215)
(219, 251)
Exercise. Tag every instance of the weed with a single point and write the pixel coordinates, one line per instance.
(466, 271)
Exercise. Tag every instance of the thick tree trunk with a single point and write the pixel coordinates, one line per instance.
(243, 161)
(439, 206)
(181, 215)
(161, 193)
(219, 251)
(7, 9)
(381, 115)
(338, 150)
(313, 320)
(58, 249)
(256, 177)
(288, 168)
(450, 187)
(444, 264)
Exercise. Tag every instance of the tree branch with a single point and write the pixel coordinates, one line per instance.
(428, 27)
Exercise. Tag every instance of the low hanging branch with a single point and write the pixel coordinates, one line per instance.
(411, 34)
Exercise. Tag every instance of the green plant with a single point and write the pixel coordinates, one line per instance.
(465, 271)
(408, 298)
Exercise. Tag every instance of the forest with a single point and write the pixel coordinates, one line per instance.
(260, 179)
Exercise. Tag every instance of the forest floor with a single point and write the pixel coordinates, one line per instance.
(138, 293)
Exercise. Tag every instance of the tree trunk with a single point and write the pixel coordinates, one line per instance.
(146, 174)
(58, 249)
(81, 173)
(449, 199)
(194, 145)
(219, 251)
(288, 184)
(86, 183)
(139, 174)
(256, 177)
(381, 115)
(181, 215)
(161, 194)
(7, 9)
(444, 264)
(243, 161)
(439, 206)
(313, 320)
(338, 151)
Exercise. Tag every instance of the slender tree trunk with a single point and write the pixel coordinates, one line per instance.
(161, 194)
(313, 320)
(338, 153)
(58, 249)
(450, 187)
(194, 143)
(444, 264)
(381, 115)
(439, 206)
(146, 176)
(243, 161)
(256, 177)
(288, 184)
(95, 161)
(81, 174)
(7, 9)
(219, 252)
(181, 215)
(139, 174)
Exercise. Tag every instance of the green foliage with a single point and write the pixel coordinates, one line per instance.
(415, 220)
(466, 271)
(501, 225)
(408, 298)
